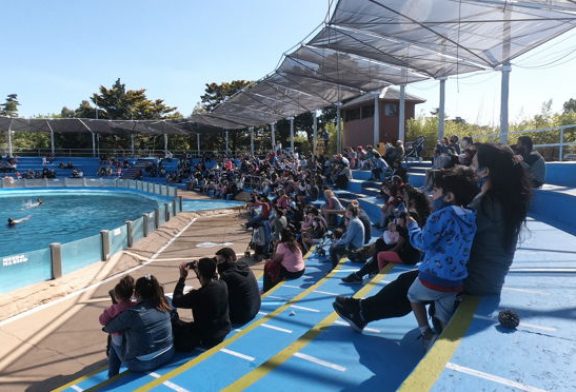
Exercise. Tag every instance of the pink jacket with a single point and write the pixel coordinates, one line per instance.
(113, 311)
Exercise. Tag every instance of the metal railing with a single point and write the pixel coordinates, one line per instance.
(566, 150)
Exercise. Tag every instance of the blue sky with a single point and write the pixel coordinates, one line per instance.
(56, 53)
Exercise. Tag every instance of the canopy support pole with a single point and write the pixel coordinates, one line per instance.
(198, 144)
(338, 128)
(165, 144)
(273, 131)
(441, 109)
(504, 97)
(227, 140)
(252, 141)
(315, 132)
(93, 136)
(402, 114)
(10, 148)
(291, 134)
(376, 128)
(52, 144)
(132, 144)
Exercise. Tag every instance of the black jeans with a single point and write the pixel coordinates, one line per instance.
(268, 283)
(391, 300)
(371, 266)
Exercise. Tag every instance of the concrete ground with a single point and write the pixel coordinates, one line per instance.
(46, 346)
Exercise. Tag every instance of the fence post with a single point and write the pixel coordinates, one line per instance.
(174, 207)
(105, 239)
(145, 222)
(166, 212)
(561, 150)
(157, 218)
(180, 203)
(56, 257)
(130, 233)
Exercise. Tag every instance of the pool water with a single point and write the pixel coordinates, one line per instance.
(64, 216)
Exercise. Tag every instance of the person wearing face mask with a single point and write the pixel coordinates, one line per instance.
(446, 241)
(501, 208)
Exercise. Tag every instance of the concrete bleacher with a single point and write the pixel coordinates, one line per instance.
(88, 165)
(299, 342)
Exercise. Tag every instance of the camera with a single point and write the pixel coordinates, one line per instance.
(192, 265)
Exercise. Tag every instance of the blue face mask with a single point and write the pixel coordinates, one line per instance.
(439, 203)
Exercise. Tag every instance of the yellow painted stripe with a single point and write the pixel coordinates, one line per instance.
(238, 335)
(265, 368)
(429, 369)
(125, 373)
(80, 379)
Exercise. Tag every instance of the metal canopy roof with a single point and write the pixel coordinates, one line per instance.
(367, 45)
(70, 125)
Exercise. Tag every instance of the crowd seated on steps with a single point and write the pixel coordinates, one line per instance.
(286, 210)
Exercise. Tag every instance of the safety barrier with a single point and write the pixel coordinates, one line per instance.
(20, 270)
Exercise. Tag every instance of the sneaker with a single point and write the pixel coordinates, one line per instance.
(350, 312)
(352, 278)
(428, 338)
(343, 300)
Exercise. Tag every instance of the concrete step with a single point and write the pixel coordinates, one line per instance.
(361, 174)
(561, 173)
(555, 205)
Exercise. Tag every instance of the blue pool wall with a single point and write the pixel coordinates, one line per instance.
(20, 270)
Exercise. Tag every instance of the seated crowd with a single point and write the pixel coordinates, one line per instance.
(462, 229)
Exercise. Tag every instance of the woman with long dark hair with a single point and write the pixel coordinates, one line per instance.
(287, 262)
(501, 209)
(146, 328)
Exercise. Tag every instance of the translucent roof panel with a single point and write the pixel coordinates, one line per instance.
(484, 32)
(363, 73)
(415, 57)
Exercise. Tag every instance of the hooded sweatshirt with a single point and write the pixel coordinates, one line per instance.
(446, 241)
(243, 291)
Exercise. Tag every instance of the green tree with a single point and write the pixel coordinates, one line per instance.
(570, 106)
(215, 93)
(10, 107)
(118, 103)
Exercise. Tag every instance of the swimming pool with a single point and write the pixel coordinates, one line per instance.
(65, 215)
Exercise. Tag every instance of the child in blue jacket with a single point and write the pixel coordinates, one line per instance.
(446, 241)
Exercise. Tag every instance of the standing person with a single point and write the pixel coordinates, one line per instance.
(501, 209)
(352, 239)
(287, 262)
(445, 240)
(243, 292)
(209, 305)
(121, 301)
(146, 327)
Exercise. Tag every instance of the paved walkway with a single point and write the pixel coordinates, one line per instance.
(57, 342)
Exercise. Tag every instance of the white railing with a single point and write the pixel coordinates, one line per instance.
(562, 143)
(148, 187)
